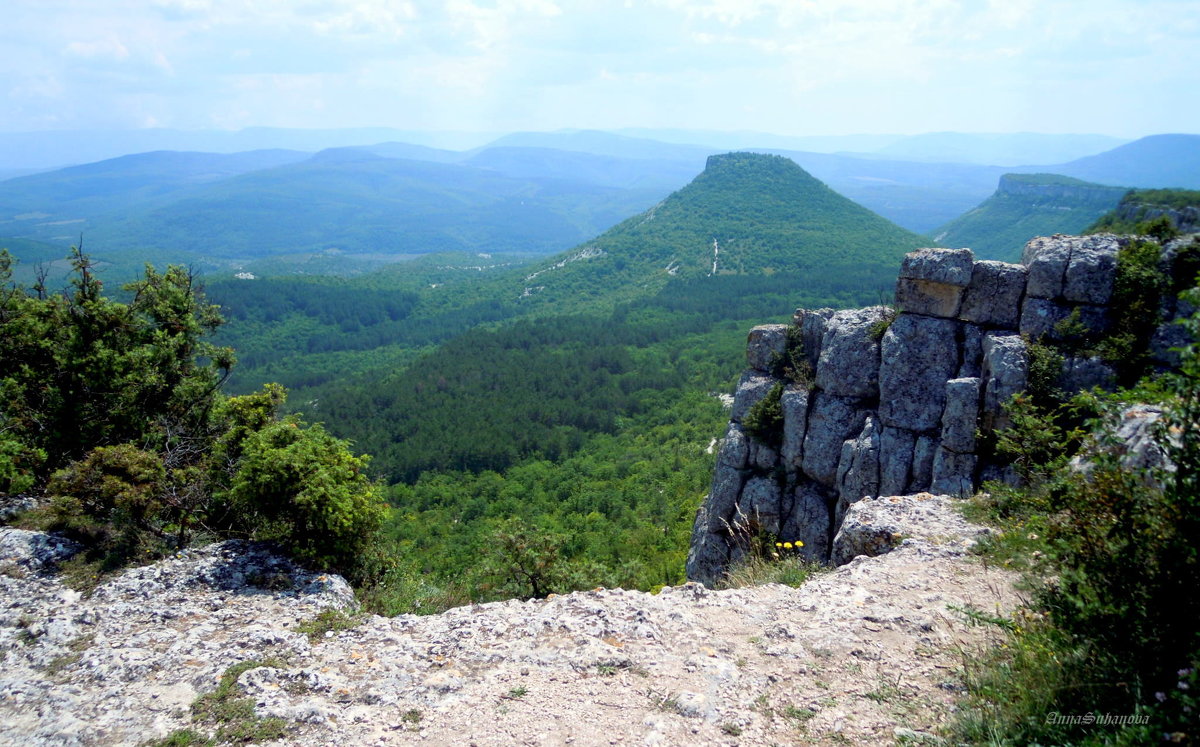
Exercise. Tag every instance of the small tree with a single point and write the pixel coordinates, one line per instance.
(301, 487)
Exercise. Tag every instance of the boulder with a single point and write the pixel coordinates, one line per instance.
(876, 526)
(765, 344)
(849, 362)
(831, 420)
(993, 297)
(918, 355)
(945, 266)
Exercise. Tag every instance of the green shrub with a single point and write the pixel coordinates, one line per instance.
(1114, 624)
(793, 364)
(114, 484)
(18, 464)
(764, 421)
(301, 487)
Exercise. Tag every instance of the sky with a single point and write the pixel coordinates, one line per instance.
(1125, 68)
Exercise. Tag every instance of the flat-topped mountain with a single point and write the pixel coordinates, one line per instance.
(747, 214)
(1024, 206)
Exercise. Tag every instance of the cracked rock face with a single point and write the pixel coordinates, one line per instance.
(900, 396)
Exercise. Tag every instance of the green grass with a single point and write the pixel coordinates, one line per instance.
(233, 715)
(756, 571)
(328, 620)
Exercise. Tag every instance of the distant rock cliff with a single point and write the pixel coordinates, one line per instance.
(895, 399)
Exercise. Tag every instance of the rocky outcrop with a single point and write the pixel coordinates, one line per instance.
(1186, 219)
(899, 396)
(124, 665)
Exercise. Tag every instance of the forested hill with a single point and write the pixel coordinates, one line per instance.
(1024, 206)
(747, 214)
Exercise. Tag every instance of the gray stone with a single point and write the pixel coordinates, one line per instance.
(751, 388)
(971, 348)
(945, 266)
(876, 526)
(723, 497)
(812, 331)
(1092, 269)
(932, 281)
(794, 404)
(924, 451)
(762, 456)
(708, 552)
(765, 344)
(849, 361)
(858, 469)
(918, 355)
(961, 415)
(895, 459)
(928, 298)
(1168, 338)
(1039, 317)
(1005, 371)
(993, 297)
(953, 473)
(759, 509)
(1137, 443)
(735, 448)
(1080, 374)
(831, 420)
(810, 521)
(1047, 259)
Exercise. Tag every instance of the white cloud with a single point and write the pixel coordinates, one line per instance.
(789, 65)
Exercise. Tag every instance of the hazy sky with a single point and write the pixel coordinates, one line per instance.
(1118, 67)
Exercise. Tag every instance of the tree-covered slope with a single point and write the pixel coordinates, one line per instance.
(746, 214)
(1024, 206)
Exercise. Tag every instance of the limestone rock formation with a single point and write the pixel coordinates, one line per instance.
(900, 396)
(124, 665)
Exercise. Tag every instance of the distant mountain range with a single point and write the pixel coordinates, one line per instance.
(528, 193)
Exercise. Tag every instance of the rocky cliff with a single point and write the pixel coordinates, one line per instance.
(843, 405)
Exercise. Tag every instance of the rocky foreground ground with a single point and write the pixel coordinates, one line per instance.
(868, 653)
